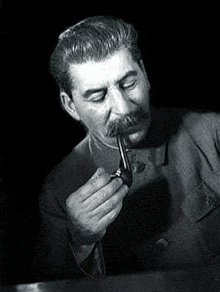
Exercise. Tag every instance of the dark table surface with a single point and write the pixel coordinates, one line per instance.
(165, 281)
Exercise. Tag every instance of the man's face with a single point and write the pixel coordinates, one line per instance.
(111, 97)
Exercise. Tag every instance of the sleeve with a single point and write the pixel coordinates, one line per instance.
(54, 256)
(202, 204)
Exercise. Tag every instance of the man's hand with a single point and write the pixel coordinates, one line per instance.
(94, 206)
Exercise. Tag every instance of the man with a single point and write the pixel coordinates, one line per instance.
(92, 222)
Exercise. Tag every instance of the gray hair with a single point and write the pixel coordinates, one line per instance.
(91, 39)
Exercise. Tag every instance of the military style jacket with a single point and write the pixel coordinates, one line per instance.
(170, 216)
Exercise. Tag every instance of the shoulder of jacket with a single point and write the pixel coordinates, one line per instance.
(201, 123)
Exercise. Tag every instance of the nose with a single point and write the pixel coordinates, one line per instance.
(120, 103)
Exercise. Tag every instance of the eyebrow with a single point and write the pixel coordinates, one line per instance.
(89, 92)
(131, 73)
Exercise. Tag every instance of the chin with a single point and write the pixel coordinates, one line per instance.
(135, 138)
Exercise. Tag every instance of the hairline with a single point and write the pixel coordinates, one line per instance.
(96, 60)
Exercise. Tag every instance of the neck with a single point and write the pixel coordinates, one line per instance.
(99, 142)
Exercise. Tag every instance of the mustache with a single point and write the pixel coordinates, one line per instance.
(123, 125)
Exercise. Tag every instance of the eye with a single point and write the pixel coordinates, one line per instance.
(129, 84)
(98, 97)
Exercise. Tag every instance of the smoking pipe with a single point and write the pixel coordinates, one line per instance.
(124, 170)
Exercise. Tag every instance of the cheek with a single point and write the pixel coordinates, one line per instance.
(145, 94)
(141, 96)
(92, 117)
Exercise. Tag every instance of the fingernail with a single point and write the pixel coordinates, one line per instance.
(100, 170)
(126, 188)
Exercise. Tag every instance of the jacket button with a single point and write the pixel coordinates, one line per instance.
(137, 166)
(162, 243)
(210, 201)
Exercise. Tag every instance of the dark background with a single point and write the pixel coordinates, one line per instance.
(179, 47)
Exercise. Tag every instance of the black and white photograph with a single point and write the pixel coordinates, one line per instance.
(110, 146)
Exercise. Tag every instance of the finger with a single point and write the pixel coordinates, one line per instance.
(103, 194)
(106, 220)
(98, 181)
(111, 204)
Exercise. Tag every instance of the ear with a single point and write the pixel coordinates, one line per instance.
(69, 106)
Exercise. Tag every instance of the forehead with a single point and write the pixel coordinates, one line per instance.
(102, 73)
